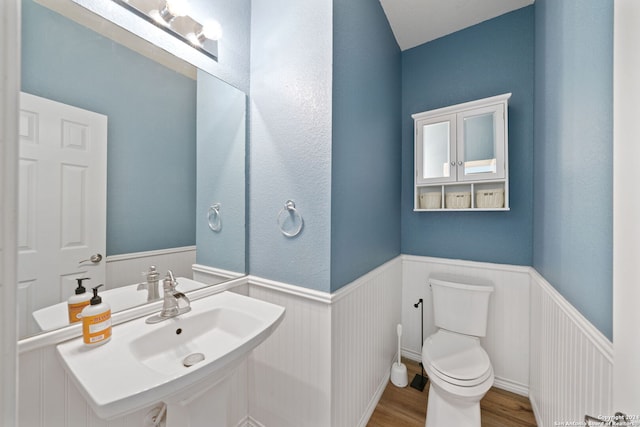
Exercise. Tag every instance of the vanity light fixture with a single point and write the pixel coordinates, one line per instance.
(173, 17)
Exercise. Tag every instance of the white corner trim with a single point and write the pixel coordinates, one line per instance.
(286, 288)
(147, 254)
(218, 272)
(320, 296)
(597, 338)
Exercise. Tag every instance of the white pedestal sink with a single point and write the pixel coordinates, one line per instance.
(144, 364)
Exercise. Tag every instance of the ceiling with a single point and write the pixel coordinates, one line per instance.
(415, 22)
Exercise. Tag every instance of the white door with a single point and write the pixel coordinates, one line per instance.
(62, 203)
(626, 211)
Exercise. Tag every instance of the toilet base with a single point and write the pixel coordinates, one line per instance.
(455, 412)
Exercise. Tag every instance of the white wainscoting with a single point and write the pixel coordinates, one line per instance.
(572, 362)
(290, 373)
(126, 269)
(328, 362)
(507, 340)
(364, 316)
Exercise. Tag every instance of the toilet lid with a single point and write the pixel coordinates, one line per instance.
(457, 358)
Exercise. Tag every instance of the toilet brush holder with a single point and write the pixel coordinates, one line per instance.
(399, 376)
(420, 381)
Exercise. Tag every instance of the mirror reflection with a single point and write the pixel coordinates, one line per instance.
(121, 158)
(436, 149)
(479, 150)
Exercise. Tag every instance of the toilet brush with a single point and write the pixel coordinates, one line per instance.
(398, 369)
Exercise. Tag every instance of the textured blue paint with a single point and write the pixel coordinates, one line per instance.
(290, 155)
(573, 221)
(151, 132)
(221, 145)
(490, 58)
(365, 165)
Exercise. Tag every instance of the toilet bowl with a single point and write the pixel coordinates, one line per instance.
(461, 374)
(458, 367)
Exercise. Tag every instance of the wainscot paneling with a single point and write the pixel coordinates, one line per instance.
(329, 361)
(126, 269)
(507, 340)
(572, 365)
(364, 316)
(290, 373)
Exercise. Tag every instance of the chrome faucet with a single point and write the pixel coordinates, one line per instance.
(171, 306)
(152, 284)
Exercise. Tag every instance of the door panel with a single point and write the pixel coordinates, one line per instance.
(62, 202)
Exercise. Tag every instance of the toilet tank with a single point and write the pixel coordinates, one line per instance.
(461, 304)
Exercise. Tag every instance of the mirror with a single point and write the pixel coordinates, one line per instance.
(479, 144)
(436, 147)
(175, 147)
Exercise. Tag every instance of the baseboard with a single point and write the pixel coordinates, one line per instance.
(374, 400)
(411, 355)
(512, 386)
(536, 412)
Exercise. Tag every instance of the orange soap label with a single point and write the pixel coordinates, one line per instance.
(75, 310)
(96, 328)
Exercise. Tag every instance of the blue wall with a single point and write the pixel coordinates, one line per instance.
(573, 221)
(365, 159)
(221, 129)
(151, 160)
(290, 155)
(491, 58)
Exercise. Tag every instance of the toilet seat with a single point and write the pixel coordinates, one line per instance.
(457, 359)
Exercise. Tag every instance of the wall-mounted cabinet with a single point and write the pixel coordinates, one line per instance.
(461, 157)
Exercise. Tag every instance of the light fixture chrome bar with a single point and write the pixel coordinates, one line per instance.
(184, 28)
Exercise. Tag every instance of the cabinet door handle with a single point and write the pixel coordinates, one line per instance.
(459, 162)
(453, 163)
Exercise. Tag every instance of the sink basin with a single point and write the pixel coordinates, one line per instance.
(182, 356)
(55, 316)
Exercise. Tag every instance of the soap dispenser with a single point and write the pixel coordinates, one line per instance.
(78, 301)
(96, 320)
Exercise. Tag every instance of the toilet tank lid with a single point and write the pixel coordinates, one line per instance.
(461, 282)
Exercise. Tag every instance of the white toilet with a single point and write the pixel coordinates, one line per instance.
(459, 370)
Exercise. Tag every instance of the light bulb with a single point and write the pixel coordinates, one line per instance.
(212, 30)
(173, 9)
(178, 7)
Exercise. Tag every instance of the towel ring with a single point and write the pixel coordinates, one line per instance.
(289, 215)
(213, 217)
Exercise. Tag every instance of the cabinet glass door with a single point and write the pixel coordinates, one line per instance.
(435, 152)
(480, 156)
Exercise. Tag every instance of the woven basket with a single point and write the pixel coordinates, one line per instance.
(458, 200)
(490, 199)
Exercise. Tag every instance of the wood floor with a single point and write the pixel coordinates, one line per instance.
(407, 407)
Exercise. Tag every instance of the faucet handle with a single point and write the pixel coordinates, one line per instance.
(169, 282)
